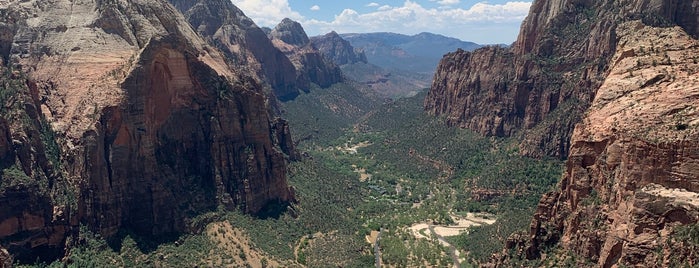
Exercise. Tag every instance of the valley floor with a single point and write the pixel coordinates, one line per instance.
(431, 196)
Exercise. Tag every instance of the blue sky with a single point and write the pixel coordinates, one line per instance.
(484, 22)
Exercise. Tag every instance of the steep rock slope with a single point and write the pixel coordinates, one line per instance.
(338, 50)
(311, 67)
(153, 125)
(549, 76)
(227, 28)
(632, 177)
(35, 202)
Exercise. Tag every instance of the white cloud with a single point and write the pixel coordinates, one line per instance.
(482, 23)
(447, 2)
(267, 12)
(384, 8)
(315, 8)
(372, 4)
(412, 18)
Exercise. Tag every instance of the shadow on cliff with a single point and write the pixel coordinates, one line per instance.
(145, 243)
(274, 209)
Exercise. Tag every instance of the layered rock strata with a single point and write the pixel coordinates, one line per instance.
(632, 177)
(153, 125)
(546, 80)
(226, 27)
(311, 67)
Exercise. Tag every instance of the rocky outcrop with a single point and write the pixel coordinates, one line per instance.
(632, 177)
(338, 50)
(545, 81)
(35, 205)
(225, 26)
(153, 125)
(5, 258)
(290, 32)
(7, 32)
(311, 66)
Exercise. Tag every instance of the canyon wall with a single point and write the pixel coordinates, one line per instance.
(632, 177)
(612, 87)
(244, 44)
(311, 66)
(150, 124)
(540, 86)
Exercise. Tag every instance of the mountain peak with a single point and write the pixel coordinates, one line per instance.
(237, 36)
(291, 32)
(311, 67)
(337, 49)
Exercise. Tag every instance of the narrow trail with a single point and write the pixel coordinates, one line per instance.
(296, 249)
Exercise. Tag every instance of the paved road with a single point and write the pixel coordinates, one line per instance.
(377, 249)
(454, 252)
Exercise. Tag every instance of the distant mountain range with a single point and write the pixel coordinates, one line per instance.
(393, 65)
(417, 53)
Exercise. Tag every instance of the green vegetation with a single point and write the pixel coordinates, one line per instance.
(323, 115)
(414, 160)
(367, 168)
(36, 138)
(13, 177)
(11, 84)
(402, 249)
(686, 238)
(132, 251)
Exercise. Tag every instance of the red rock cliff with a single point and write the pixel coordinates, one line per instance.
(545, 81)
(153, 124)
(35, 204)
(632, 177)
(338, 50)
(311, 66)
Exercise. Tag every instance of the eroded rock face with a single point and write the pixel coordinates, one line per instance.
(338, 50)
(34, 209)
(226, 27)
(311, 66)
(549, 76)
(154, 125)
(186, 135)
(632, 176)
(290, 32)
(5, 258)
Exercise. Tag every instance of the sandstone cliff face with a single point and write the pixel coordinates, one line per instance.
(548, 78)
(632, 176)
(338, 50)
(154, 125)
(34, 204)
(226, 27)
(311, 66)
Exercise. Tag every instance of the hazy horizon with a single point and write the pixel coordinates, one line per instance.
(482, 22)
